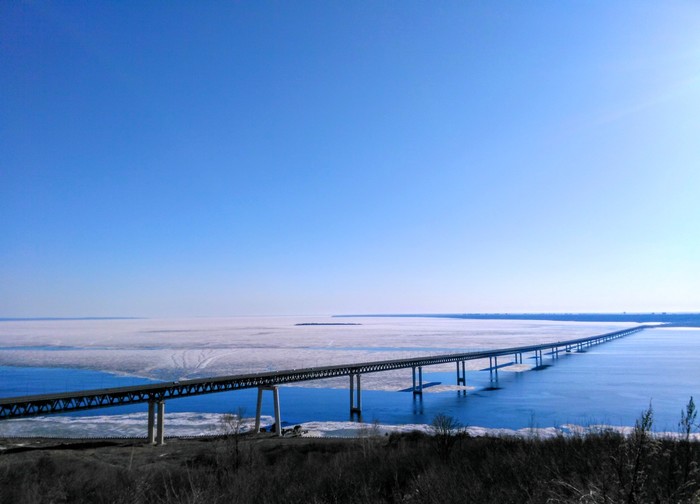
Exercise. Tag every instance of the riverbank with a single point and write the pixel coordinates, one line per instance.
(411, 467)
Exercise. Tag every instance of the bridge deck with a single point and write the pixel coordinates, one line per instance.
(17, 407)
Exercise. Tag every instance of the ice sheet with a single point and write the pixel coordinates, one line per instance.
(176, 349)
(207, 424)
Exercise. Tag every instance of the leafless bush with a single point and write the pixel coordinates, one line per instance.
(446, 431)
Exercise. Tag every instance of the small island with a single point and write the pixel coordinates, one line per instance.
(326, 323)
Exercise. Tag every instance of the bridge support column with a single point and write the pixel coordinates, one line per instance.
(355, 395)
(156, 429)
(160, 435)
(493, 368)
(276, 401)
(461, 375)
(151, 439)
(418, 388)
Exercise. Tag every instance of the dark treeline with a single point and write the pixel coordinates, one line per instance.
(449, 466)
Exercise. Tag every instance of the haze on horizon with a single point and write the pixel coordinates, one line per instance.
(212, 159)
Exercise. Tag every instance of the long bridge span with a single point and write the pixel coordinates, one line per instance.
(156, 394)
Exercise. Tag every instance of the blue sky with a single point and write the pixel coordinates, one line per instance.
(245, 158)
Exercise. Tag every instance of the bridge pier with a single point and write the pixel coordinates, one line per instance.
(538, 358)
(151, 439)
(160, 434)
(355, 395)
(156, 430)
(461, 376)
(493, 368)
(418, 390)
(276, 401)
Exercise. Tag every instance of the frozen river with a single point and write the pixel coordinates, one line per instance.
(610, 383)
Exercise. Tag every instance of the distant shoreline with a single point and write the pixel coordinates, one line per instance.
(50, 319)
(690, 319)
(668, 319)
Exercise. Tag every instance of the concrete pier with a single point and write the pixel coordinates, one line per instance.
(151, 438)
(461, 374)
(276, 402)
(156, 429)
(355, 394)
(418, 386)
(160, 434)
(493, 368)
(538, 358)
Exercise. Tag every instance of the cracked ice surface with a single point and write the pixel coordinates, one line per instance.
(176, 349)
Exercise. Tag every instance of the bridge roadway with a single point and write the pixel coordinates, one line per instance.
(156, 394)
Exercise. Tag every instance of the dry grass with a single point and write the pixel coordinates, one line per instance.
(601, 468)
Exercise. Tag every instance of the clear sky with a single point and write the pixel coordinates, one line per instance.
(242, 158)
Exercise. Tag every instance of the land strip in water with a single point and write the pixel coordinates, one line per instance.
(667, 319)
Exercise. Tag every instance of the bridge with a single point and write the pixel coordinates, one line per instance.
(156, 394)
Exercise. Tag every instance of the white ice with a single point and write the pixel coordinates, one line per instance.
(176, 349)
(207, 424)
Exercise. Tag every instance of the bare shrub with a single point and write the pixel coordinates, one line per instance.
(232, 425)
(445, 430)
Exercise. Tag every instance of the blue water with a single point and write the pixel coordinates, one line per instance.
(21, 381)
(610, 383)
